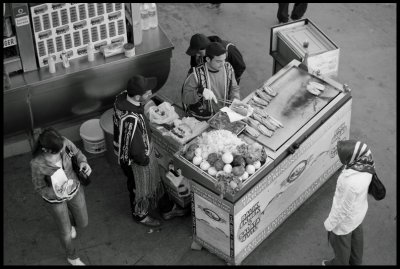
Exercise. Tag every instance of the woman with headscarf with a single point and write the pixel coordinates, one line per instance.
(350, 203)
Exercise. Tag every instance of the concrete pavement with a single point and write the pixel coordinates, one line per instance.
(366, 35)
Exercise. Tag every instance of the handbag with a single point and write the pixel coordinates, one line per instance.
(83, 178)
(376, 188)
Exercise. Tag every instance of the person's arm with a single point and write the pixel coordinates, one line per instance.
(115, 132)
(76, 151)
(137, 148)
(234, 88)
(191, 93)
(39, 183)
(343, 210)
(236, 60)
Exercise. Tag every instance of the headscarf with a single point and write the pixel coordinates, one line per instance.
(356, 155)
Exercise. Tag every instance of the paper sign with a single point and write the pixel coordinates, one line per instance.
(9, 42)
(58, 179)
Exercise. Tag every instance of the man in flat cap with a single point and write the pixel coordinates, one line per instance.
(136, 156)
(210, 85)
(197, 51)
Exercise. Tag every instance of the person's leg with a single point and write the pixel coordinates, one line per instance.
(283, 12)
(77, 206)
(169, 209)
(341, 245)
(130, 184)
(60, 215)
(165, 204)
(298, 11)
(357, 246)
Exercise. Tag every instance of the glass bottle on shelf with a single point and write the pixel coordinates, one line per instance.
(90, 52)
(52, 64)
(136, 23)
(144, 16)
(64, 58)
(153, 15)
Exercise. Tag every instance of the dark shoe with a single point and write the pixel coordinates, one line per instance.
(214, 5)
(150, 221)
(175, 212)
(75, 262)
(294, 18)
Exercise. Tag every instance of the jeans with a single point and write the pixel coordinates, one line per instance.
(66, 214)
(348, 248)
(298, 11)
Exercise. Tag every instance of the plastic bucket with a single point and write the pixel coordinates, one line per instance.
(106, 123)
(92, 136)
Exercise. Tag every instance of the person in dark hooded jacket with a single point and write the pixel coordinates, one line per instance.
(136, 156)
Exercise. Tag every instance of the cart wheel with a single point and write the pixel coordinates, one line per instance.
(196, 246)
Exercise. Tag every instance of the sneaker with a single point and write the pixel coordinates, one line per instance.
(150, 221)
(76, 261)
(324, 262)
(73, 232)
(175, 212)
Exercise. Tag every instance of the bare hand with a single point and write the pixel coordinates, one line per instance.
(85, 167)
(209, 95)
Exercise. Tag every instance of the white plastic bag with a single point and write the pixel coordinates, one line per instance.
(162, 114)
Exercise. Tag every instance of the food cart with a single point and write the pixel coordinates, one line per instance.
(301, 157)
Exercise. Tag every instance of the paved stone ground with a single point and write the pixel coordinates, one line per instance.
(366, 35)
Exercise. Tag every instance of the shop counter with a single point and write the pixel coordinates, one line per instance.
(84, 90)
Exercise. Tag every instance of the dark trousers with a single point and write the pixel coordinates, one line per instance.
(348, 248)
(164, 204)
(298, 11)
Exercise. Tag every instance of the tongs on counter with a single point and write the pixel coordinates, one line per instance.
(226, 102)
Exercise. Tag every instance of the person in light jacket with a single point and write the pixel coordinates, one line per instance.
(61, 195)
(350, 203)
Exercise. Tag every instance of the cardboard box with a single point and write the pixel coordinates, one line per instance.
(178, 187)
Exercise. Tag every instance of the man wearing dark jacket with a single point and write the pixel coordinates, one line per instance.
(136, 156)
(196, 50)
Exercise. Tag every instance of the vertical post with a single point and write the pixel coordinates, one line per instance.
(23, 30)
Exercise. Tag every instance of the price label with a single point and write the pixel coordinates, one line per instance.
(9, 42)
(21, 21)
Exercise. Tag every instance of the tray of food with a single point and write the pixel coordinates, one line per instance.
(220, 121)
(225, 159)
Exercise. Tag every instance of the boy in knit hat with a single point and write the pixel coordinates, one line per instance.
(210, 85)
(197, 52)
